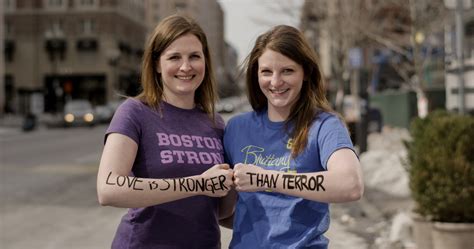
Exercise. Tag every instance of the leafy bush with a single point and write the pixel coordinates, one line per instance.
(440, 165)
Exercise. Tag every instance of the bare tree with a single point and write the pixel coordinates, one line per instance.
(396, 25)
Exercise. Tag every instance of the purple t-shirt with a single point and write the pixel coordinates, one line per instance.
(175, 143)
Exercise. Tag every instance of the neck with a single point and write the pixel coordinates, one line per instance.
(276, 115)
(183, 102)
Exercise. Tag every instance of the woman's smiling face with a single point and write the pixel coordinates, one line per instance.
(182, 67)
(280, 80)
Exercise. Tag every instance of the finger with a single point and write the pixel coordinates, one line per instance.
(223, 166)
(237, 166)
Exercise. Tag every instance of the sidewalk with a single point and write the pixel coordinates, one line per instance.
(10, 124)
(13, 123)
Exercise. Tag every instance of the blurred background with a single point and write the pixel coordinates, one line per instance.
(66, 65)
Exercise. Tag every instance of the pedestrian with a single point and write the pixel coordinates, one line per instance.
(163, 156)
(292, 154)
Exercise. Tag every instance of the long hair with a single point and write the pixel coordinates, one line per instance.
(166, 32)
(291, 43)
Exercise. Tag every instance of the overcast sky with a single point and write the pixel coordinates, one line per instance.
(246, 19)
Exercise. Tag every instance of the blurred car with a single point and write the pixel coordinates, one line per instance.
(78, 112)
(230, 104)
(114, 104)
(224, 107)
(103, 113)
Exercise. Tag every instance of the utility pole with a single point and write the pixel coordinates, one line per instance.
(459, 54)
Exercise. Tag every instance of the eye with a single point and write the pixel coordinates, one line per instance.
(195, 56)
(288, 70)
(173, 58)
(265, 72)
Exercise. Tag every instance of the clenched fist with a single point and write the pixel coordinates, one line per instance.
(217, 180)
(250, 178)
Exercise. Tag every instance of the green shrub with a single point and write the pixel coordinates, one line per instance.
(440, 165)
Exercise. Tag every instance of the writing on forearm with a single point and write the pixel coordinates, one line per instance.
(263, 180)
(290, 181)
(125, 181)
(212, 184)
(303, 182)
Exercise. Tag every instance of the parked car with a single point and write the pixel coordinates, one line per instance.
(103, 113)
(78, 112)
(230, 104)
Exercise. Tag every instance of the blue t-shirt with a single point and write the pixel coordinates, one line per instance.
(273, 220)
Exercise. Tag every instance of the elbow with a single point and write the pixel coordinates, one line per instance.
(356, 191)
(103, 201)
(103, 197)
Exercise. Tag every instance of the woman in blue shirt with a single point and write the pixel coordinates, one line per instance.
(292, 154)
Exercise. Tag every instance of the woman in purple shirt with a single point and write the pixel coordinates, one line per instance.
(163, 153)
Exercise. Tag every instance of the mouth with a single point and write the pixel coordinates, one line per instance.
(185, 77)
(279, 91)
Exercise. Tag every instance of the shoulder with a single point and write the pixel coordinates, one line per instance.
(219, 121)
(243, 118)
(130, 104)
(327, 119)
(327, 122)
(241, 122)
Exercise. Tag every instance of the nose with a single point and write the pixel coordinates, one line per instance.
(276, 80)
(186, 66)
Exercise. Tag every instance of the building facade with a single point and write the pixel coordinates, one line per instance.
(57, 50)
(453, 64)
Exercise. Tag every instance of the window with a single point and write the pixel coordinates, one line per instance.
(10, 5)
(8, 28)
(87, 26)
(87, 4)
(55, 4)
(57, 28)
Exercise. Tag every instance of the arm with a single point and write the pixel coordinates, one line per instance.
(116, 188)
(227, 204)
(342, 182)
(227, 209)
(227, 222)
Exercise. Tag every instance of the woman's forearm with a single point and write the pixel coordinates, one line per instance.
(133, 192)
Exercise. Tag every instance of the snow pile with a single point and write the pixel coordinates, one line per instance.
(382, 163)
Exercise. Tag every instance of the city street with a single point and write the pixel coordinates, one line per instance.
(48, 190)
(48, 194)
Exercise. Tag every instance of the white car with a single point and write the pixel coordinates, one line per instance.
(103, 113)
(78, 112)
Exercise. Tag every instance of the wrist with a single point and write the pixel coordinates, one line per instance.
(208, 185)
